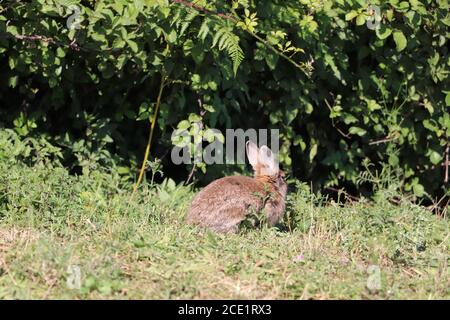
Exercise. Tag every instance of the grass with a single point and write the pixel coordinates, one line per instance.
(53, 224)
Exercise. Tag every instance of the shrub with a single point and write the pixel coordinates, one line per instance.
(380, 95)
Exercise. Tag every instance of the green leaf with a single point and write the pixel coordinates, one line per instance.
(428, 105)
(373, 105)
(123, 170)
(12, 30)
(313, 152)
(361, 19)
(183, 125)
(12, 81)
(418, 190)
(435, 157)
(172, 36)
(393, 160)
(208, 108)
(60, 52)
(358, 131)
(383, 32)
(133, 45)
(12, 62)
(229, 42)
(194, 117)
(118, 43)
(400, 40)
(209, 136)
(271, 60)
(352, 14)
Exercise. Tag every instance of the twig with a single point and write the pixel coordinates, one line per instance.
(204, 10)
(437, 205)
(149, 142)
(194, 166)
(344, 192)
(387, 139)
(347, 136)
(446, 162)
(306, 68)
(35, 38)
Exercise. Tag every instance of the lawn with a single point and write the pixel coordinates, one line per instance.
(78, 237)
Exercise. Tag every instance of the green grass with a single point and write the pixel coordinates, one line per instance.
(51, 222)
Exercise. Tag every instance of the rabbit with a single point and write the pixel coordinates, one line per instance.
(224, 203)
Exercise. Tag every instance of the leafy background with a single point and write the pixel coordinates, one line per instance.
(84, 97)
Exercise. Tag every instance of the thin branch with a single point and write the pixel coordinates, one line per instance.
(149, 142)
(204, 10)
(194, 166)
(343, 192)
(191, 174)
(38, 38)
(446, 162)
(436, 207)
(347, 136)
(306, 68)
(385, 140)
(34, 38)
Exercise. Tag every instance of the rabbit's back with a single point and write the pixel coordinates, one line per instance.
(224, 203)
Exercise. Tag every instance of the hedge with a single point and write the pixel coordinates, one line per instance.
(345, 96)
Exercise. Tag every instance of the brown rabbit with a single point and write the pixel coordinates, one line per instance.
(225, 203)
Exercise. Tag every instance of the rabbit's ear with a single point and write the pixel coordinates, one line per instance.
(252, 153)
(267, 160)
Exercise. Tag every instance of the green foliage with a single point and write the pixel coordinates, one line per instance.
(29, 150)
(228, 41)
(380, 95)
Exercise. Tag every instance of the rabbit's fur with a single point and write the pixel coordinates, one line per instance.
(225, 203)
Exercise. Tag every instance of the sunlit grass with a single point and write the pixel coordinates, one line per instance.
(52, 223)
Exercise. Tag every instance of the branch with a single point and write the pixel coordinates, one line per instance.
(35, 38)
(194, 166)
(385, 140)
(446, 162)
(306, 68)
(347, 136)
(152, 128)
(204, 10)
(345, 193)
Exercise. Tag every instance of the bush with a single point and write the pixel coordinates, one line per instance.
(374, 95)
